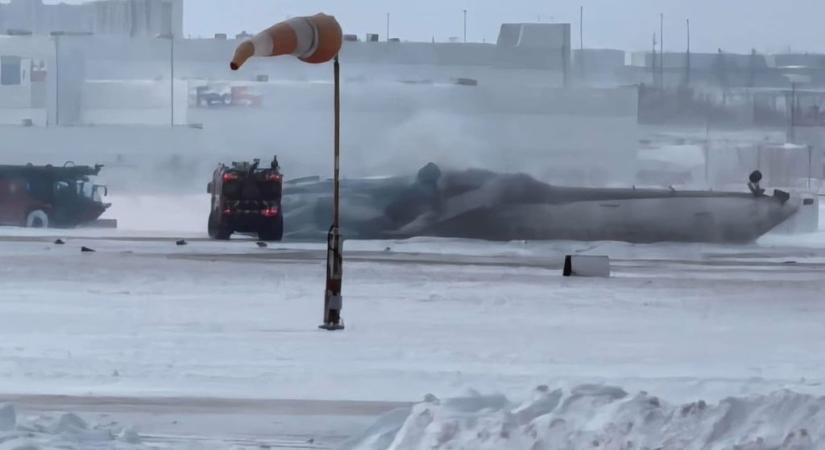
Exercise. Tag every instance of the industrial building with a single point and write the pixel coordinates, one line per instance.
(133, 18)
(125, 64)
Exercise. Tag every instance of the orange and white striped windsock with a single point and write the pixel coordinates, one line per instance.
(313, 39)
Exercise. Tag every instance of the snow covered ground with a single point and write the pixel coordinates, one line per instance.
(63, 431)
(144, 318)
(230, 319)
(601, 417)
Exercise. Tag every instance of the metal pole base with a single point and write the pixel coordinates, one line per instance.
(331, 327)
(332, 295)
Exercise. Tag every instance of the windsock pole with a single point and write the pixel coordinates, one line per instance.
(335, 260)
(312, 39)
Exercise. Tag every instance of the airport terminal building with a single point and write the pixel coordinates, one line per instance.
(90, 74)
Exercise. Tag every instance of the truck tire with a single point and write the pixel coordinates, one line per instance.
(273, 231)
(37, 219)
(217, 230)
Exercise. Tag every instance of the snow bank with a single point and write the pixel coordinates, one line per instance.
(602, 417)
(65, 431)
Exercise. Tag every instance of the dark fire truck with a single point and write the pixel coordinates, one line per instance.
(246, 198)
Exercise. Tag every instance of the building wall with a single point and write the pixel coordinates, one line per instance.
(593, 64)
(535, 45)
(119, 17)
(137, 102)
(547, 35)
(16, 97)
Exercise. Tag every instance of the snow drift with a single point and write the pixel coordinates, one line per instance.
(64, 431)
(601, 417)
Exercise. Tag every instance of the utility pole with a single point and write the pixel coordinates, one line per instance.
(687, 55)
(707, 152)
(388, 27)
(172, 79)
(752, 69)
(654, 67)
(57, 79)
(465, 26)
(662, 50)
(721, 68)
(581, 27)
(581, 41)
(171, 38)
(791, 135)
(565, 62)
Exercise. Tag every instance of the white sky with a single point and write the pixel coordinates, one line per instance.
(734, 25)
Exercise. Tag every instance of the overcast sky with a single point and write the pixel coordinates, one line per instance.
(734, 25)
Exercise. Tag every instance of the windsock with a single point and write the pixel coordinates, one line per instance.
(313, 39)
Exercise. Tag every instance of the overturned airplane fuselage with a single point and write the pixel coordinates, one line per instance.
(486, 205)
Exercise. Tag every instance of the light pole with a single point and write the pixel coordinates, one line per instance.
(57, 78)
(687, 55)
(581, 27)
(654, 65)
(465, 26)
(315, 39)
(581, 42)
(388, 27)
(171, 38)
(662, 49)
